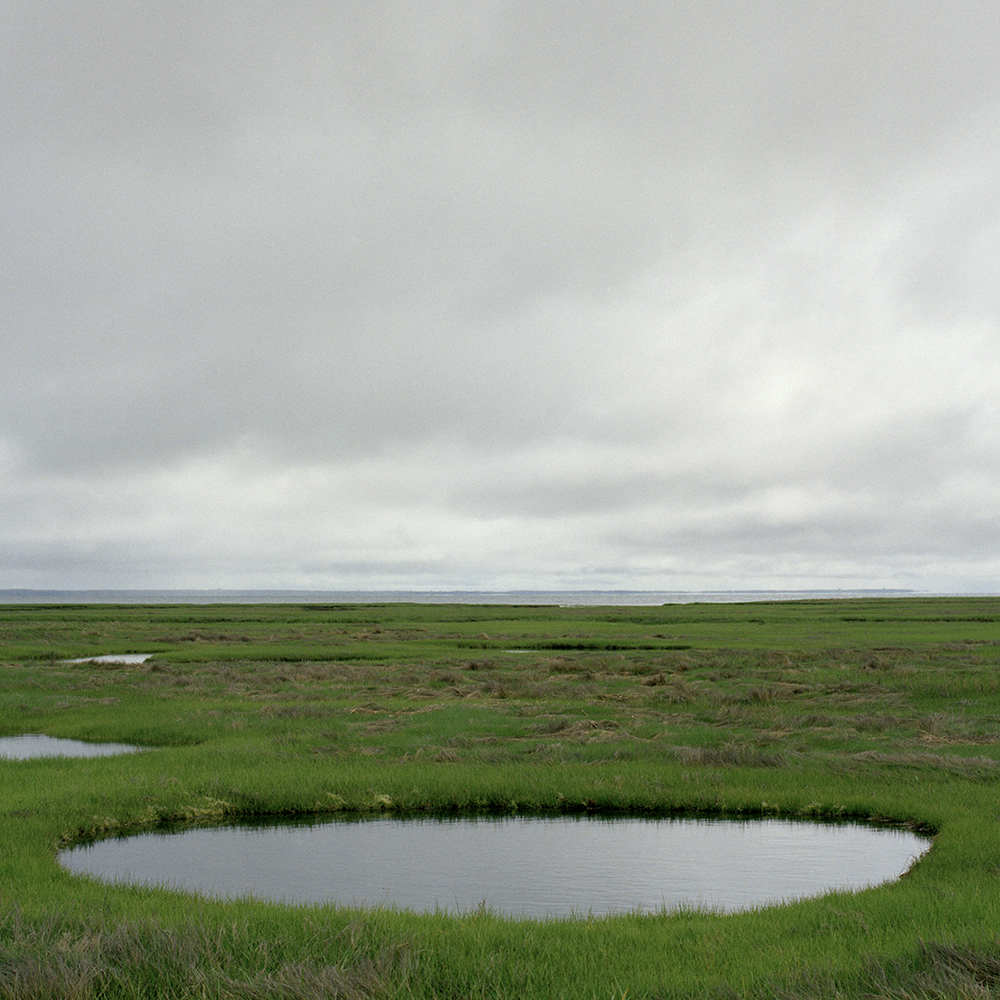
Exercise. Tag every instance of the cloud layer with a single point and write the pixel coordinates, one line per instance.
(500, 295)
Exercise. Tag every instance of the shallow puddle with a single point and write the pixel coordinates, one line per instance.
(535, 867)
(36, 745)
(112, 658)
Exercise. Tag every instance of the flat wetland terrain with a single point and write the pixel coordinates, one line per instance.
(884, 709)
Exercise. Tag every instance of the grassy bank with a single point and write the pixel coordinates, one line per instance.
(884, 709)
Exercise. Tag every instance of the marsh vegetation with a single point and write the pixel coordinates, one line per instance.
(883, 710)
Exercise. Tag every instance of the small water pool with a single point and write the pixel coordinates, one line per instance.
(112, 658)
(534, 867)
(29, 745)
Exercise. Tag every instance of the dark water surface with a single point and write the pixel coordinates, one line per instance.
(36, 745)
(535, 867)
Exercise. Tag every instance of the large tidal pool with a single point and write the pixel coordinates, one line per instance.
(519, 866)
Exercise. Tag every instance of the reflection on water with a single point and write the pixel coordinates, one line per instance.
(517, 866)
(36, 745)
(112, 658)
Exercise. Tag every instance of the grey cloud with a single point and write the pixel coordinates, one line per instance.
(505, 288)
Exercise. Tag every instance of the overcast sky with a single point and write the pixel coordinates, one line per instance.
(459, 294)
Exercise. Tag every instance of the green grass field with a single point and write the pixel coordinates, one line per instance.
(882, 708)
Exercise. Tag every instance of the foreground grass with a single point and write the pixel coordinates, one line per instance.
(880, 708)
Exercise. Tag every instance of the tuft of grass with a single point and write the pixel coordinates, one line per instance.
(934, 972)
(42, 959)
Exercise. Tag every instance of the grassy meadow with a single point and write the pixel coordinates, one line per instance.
(883, 709)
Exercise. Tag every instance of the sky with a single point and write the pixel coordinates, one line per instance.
(484, 294)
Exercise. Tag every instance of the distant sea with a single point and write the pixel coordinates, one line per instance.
(561, 598)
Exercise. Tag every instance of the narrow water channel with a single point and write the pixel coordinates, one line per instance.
(534, 867)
